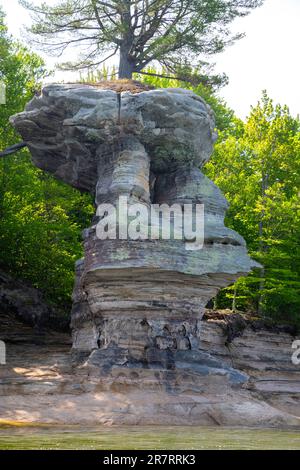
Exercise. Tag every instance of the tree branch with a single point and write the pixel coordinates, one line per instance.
(13, 149)
(82, 66)
(101, 25)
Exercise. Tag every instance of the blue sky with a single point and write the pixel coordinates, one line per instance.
(267, 58)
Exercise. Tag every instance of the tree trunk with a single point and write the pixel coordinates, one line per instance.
(262, 273)
(233, 306)
(126, 67)
(262, 246)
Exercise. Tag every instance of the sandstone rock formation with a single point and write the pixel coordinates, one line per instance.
(138, 304)
(40, 385)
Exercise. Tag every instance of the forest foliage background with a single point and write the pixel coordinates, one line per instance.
(256, 163)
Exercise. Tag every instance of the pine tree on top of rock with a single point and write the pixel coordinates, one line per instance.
(173, 33)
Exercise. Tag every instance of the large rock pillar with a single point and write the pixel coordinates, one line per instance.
(138, 303)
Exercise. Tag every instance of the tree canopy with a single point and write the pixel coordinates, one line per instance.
(171, 32)
(40, 218)
(257, 165)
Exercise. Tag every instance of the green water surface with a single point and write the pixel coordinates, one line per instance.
(141, 437)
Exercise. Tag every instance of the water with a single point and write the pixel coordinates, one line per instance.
(142, 437)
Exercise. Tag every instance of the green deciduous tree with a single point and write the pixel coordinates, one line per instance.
(20, 71)
(140, 31)
(40, 218)
(257, 165)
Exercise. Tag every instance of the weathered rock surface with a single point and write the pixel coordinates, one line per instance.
(138, 304)
(24, 301)
(73, 131)
(41, 384)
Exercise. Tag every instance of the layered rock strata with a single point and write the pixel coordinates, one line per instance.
(138, 303)
(40, 385)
